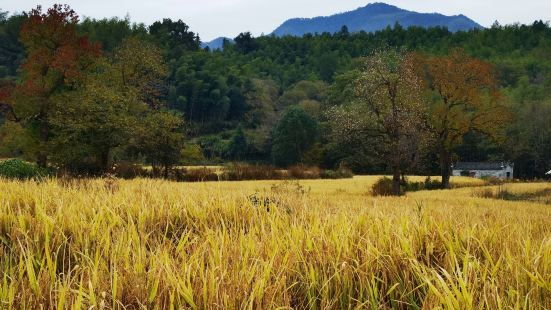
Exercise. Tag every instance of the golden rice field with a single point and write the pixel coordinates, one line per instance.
(149, 244)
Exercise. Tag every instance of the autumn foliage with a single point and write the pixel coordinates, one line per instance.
(57, 55)
(463, 96)
(6, 90)
(57, 60)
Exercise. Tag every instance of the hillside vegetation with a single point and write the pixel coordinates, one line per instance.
(373, 17)
(238, 104)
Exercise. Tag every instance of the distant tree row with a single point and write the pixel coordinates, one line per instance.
(83, 95)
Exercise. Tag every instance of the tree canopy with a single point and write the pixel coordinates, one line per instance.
(50, 61)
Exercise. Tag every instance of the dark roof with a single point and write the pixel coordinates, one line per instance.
(479, 166)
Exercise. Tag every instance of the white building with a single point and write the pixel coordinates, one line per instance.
(485, 169)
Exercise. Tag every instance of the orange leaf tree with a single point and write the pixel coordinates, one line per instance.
(464, 97)
(6, 90)
(57, 60)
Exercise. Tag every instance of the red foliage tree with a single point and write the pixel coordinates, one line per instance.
(6, 90)
(57, 61)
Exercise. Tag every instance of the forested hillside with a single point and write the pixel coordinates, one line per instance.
(373, 17)
(239, 103)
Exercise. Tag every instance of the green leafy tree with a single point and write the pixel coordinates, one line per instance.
(192, 154)
(140, 68)
(12, 52)
(261, 97)
(303, 91)
(245, 43)
(388, 112)
(237, 149)
(160, 139)
(529, 139)
(111, 32)
(293, 136)
(93, 121)
(115, 109)
(175, 37)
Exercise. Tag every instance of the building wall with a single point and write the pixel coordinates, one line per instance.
(501, 174)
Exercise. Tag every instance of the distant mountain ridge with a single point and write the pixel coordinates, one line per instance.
(371, 18)
(216, 44)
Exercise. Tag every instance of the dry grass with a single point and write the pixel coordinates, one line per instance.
(326, 244)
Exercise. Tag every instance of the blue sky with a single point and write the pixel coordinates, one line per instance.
(214, 18)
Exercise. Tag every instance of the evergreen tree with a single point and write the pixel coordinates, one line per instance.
(237, 148)
(293, 136)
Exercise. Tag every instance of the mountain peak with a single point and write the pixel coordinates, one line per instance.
(216, 44)
(381, 5)
(373, 17)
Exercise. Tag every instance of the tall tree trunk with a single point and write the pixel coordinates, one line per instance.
(104, 158)
(167, 167)
(445, 167)
(396, 176)
(42, 156)
(42, 159)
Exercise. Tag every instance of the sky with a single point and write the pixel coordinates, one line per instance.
(215, 18)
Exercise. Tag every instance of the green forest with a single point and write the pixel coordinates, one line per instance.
(84, 94)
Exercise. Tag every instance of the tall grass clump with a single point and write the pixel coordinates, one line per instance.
(152, 244)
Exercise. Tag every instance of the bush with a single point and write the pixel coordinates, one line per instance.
(432, 184)
(302, 172)
(413, 186)
(195, 175)
(18, 169)
(127, 170)
(342, 173)
(428, 185)
(239, 172)
(383, 187)
(192, 154)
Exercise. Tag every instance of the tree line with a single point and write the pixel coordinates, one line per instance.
(83, 95)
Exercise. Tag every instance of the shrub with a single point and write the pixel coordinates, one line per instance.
(18, 169)
(383, 187)
(428, 185)
(128, 170)
(240, 172)
(245, 172)
(432, 184)
(195, 175)
(342, 173)
(413, 186)
(302, 172)
(192, 154)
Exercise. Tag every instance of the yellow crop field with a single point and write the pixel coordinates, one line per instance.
(316, 244)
